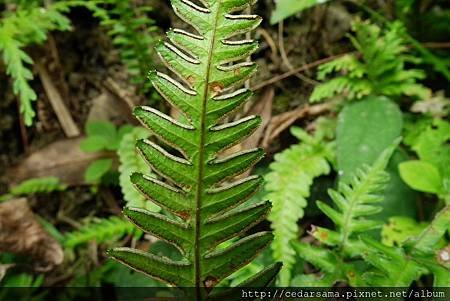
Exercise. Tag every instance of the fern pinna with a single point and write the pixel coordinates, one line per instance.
(200, 188)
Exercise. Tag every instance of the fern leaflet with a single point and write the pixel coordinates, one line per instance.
(357, 199)
(34, 186)
(100, 231)
(289, 189)
(17, 30)
(131, 162)
(199, 186)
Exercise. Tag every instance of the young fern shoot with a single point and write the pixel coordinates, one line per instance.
(198, 186)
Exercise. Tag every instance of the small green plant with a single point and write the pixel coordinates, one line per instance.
(378, 67)
(420, 255)
(288, 188)
(199, 185)
(399, 229)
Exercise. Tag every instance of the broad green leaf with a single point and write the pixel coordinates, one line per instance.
(97, 169)
(398, 196)
(399, 229)
(432, 146)
(421, 176)
(365, 128)
(101, 128)
(287, 8)
(102, 135)
(93, 144)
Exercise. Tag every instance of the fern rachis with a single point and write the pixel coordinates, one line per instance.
(199, 186)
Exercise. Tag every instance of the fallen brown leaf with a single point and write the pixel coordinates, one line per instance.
(62, 159)
(20, 233)
(263, 108)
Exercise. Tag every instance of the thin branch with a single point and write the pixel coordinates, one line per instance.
(303, 68)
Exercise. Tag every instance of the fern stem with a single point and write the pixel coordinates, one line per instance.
(201, 161)
(348, 216)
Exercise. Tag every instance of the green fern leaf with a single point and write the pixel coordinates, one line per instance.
(34, 186)
(38, 185)
(99, 231)
(356, 199)
(27, 26)
(199, 186)
(289, 189)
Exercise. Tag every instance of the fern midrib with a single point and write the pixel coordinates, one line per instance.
(349, 213)
(201, 159)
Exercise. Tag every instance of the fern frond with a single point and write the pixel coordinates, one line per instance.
(288, 189)
(349, 87)
(38, 185)
(17, 30)
(355, 200)
(346, 63)
(134, 35)
(358, 198)
(379, 68)
(199, 186)
(131, 162)
(100, 231)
